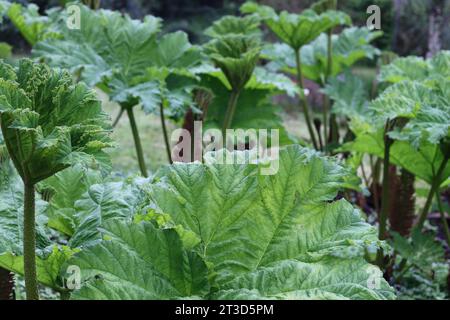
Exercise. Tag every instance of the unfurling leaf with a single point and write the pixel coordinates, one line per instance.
(236, 56)
(48, 122)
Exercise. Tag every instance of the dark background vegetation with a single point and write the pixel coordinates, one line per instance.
(409, 26)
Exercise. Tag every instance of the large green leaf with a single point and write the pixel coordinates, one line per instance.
(49, 265)
(280, 236)
(171, 57)
(139, 261)
(349, 95)
(64, 189)
(123, 56)
(108, 43)
(48, 123)
(423, 161)
(248, 25)
(427, 108)
(11, 217)
(103, 202)
(402, 101)
(432, 121)
(416, 68)
(236, 55)
(33, 26)
(80, 58)
(297, 30)
(348, 47)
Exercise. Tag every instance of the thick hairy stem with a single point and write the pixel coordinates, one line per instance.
(401, 209)
(116, 121)
(334, 130)
(385, 194)
(6, 284)
(443, 217)
(232, 102)
(166, 137)
(304, 98)
(434, 188)
(382, 228)
(375, 168)
(137, 142)
(317, 126)
(326, 105)
(29, 243)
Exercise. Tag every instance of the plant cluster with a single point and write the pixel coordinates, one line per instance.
(205, 230)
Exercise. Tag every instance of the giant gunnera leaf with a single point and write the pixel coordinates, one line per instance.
(297, 30)
(140, 261)
(49, 123)
(282, 237)
(416, 68)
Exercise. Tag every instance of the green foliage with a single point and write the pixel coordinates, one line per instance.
(348, 47)
(124, 57)
(254, 109)
(5, 50)
(426, 107)
(349, 94)
(161, 267)
(33, 26)
(247, 26)
(421, 111)
(424, 273)
(297, 30)
(236, 55)
(103, 202)
(207, 230)
(63, 190)
(416, 68)
(422, 162)
(50, 258)
(11, 217)
(49, 265)
(300, 247)
(48, 123)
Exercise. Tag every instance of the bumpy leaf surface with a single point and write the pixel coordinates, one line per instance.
(49, 123)
(140, 261)
(123, 56)
(416, 68)
(279, 236)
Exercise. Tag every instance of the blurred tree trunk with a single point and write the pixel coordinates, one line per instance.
(435, 25)
(398, 8)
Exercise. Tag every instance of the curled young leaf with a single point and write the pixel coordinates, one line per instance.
(236, 56)
(48, 122)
